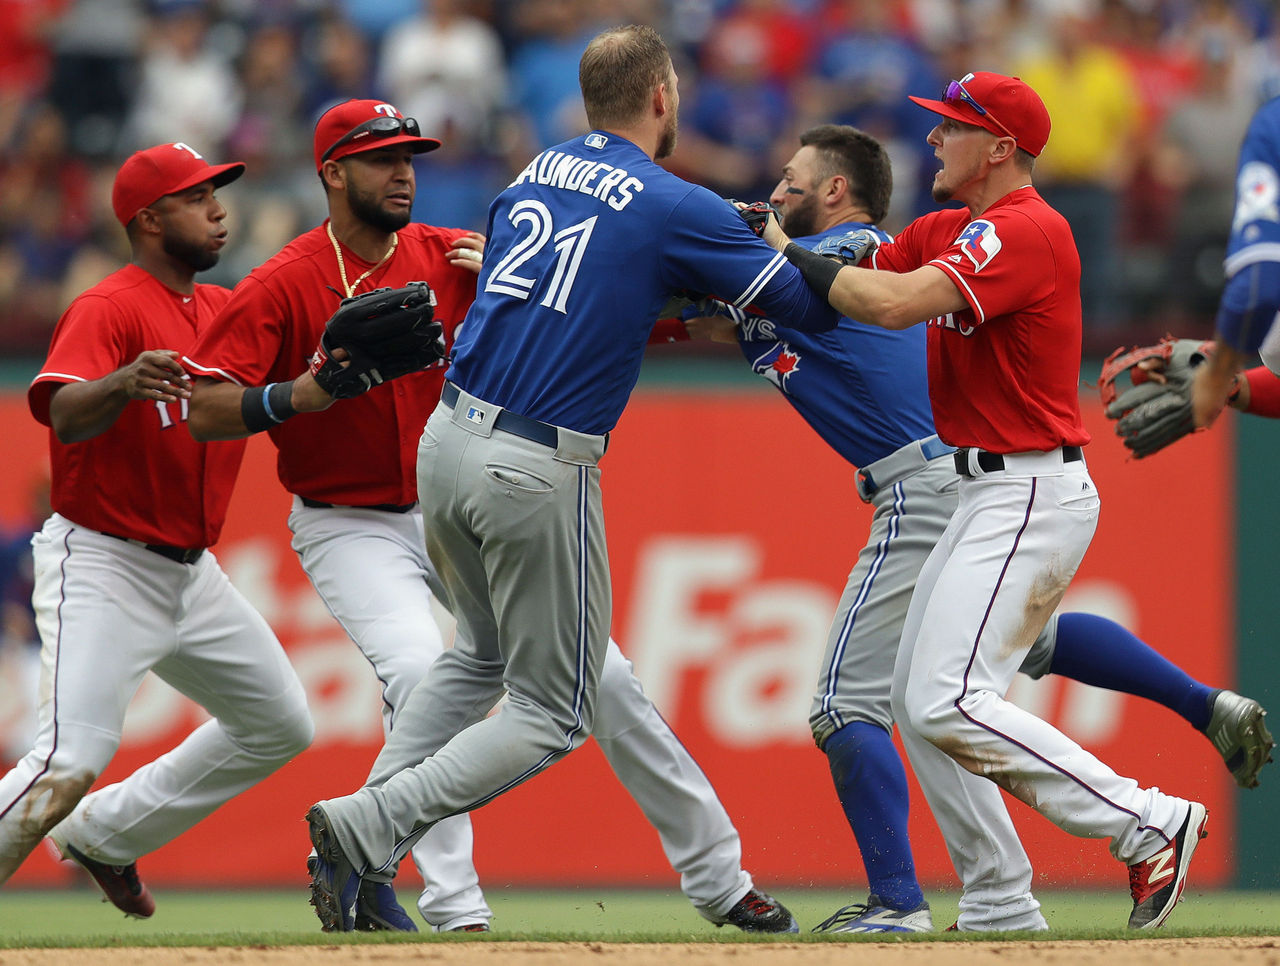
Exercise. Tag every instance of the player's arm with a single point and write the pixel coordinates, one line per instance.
(82, 410)
(227, 410)
(887, 299)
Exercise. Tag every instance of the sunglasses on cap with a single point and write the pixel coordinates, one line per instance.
(956, 94)
(379, 127)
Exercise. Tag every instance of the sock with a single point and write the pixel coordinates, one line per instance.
(1100, 652)
(872, 787)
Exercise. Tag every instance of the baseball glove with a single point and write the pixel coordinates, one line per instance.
(387, 333)
(851, 247)
(756, 214)
(1149, 414)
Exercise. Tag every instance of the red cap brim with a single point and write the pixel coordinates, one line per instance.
(953, 112)
(419, 145)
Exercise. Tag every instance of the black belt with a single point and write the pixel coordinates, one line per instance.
(182, 555)
(385, 507)
(533, 430)
(994, 462)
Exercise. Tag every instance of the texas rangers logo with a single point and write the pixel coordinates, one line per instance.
(778, 364)
(979, 243)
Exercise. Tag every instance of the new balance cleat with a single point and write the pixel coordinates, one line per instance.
(876, 916)
(1238, 729)
(119, 883)
(335, 887)
(759, 912)
(378, 911)
(1156, 883)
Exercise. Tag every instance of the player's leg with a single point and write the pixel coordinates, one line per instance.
(988, 857)
(851, 718)
(516, 531)
(103, 623)
(1097, 651)
(1012, 553)
(226, 658)
(676, 797)
(370, 569)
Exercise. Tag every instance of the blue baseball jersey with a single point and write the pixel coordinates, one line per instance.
(1251, 298)
(864, 389)
(584, 250)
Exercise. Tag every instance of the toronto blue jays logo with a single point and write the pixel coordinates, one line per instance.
(778, 364)
(979, 243)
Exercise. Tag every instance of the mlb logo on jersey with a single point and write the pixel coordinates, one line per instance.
(475, 415)
(979, 243)
(596, 140)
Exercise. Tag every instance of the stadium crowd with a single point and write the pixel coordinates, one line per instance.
(1151, 98)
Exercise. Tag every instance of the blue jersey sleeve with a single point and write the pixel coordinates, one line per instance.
(1251, 298)
(708, 249)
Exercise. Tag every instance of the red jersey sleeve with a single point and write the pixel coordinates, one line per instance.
(245, 340)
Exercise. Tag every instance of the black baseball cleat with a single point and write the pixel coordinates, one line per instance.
(1156, 883)
(119, 883)
(335, 887)
(759, 912)
(378, 911)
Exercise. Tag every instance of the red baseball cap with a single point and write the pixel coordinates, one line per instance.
(1005, 106)
(166, 169)
(354, 126)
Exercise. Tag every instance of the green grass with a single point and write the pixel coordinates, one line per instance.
(75, 917)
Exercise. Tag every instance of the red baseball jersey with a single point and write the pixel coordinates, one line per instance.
(1004, 373)
(359, 451)
(144, 477)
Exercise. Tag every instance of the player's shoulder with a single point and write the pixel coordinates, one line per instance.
(434, 235)
(297, 255)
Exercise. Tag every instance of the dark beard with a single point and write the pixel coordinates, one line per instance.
(802, 220)
(367, 210)
(667, 143)
(196, 257)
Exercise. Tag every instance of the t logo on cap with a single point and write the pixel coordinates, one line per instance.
(365, 125)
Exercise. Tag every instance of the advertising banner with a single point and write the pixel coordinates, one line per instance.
(731, 530)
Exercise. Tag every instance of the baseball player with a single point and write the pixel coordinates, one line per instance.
(584, 249)
(123, 582)
(1246, 313)
(998, 283)
(863, 389)
(357, 525)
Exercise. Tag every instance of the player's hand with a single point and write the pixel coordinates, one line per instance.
(762, 218)
(308, 396)
(851, 247)
(467, 252)
(712, 328)
(156, 376)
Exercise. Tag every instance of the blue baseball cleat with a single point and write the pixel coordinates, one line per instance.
(335, 887)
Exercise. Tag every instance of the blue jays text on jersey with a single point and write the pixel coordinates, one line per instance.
(584, 249)
(864, 389)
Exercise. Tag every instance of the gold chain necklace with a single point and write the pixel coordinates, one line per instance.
(342, 265)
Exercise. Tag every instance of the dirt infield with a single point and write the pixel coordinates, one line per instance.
(1260, 951)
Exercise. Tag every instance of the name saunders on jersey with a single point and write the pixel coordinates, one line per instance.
(555, 169)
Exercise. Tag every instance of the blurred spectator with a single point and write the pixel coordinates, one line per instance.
(1088, 162)
(96, 46)
(375, 17)
(19, 641)
(544, 71)
(1196, 159)
(731, 118)
(457, 182)
(447, 69)
(340, 66)
(44, 218)
(187, 90)
(272, 128)
(25, 28)
(1163, 74)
